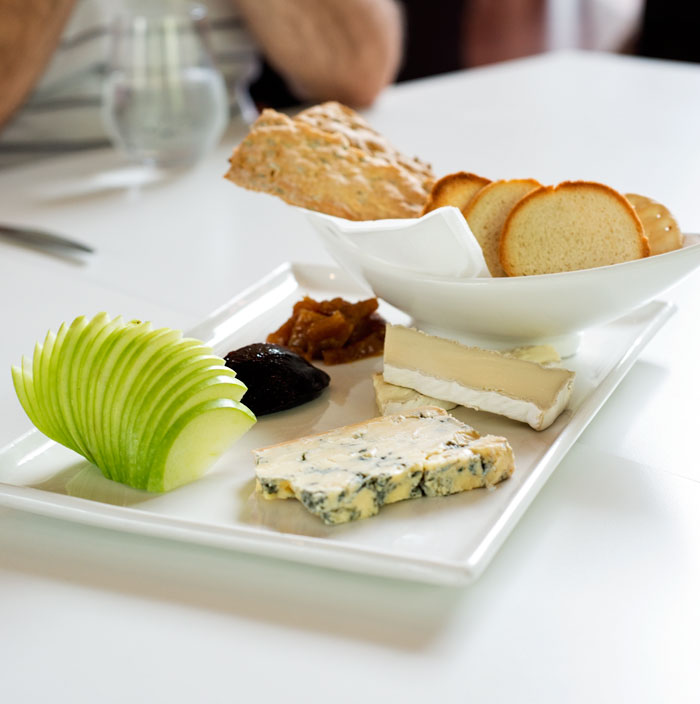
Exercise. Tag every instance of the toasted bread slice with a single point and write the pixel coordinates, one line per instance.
(660, 226)
(455, 189)
(575, 225)
(488, 210)
(330, 160)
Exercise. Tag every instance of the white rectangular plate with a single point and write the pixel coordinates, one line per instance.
(447, 540)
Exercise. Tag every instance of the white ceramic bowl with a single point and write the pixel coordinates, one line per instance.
(501, 312)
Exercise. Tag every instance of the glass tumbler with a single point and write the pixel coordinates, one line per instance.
(164, 101)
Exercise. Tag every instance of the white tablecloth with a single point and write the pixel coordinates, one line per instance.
(594, 596)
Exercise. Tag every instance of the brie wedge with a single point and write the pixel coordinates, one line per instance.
(391, 398)
(351, 472)
(485, 380)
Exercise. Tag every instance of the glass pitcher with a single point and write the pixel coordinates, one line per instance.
(164, 101)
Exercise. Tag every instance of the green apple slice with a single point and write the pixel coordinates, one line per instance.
(177, 397)
(78, 373)
(129, 386)
(157, 383)
(116, 354)
(191, 395)
(99, 379)
(64, 363)
(139, 434)
(24, 388)
(154, 377)
(43, 391)
(92, 355)
(44, 410)
(104, 343)
(22, 378)
(37, 376)
(52, 386)
(132, 344)
(186, 361)
(196, 441)
(29, 390)
(129, 398)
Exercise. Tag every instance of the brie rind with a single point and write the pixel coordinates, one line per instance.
(485, 380)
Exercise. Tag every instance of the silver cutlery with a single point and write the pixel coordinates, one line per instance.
(42, 238)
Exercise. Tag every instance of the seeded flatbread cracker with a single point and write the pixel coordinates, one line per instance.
(335, 117)
(330, 160)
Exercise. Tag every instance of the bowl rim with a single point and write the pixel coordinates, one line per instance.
(691, 243)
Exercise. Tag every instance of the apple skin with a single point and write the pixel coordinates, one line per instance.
(148, 407)
(51, 379)
(99, 380)
(40, 371)
(128, 384)
(155, 382)
(216, 386)
(142, 438)
(86, 364)
(38, 375)
(186, 368)
(77, 371)
(133, 351)
(24, 388)
(151, 378)
(195, 441)
(64, 363)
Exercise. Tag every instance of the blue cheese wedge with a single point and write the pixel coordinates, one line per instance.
(351, 472)
(470, 376)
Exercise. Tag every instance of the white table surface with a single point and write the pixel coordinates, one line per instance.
(594, 596)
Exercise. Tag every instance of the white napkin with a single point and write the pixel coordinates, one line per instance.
(438, 244)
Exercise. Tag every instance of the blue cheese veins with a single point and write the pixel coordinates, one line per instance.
(351, 472)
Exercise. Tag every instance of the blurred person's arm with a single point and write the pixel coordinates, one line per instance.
(29, 32)
(347, 50)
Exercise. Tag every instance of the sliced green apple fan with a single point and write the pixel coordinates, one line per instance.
(150, 408)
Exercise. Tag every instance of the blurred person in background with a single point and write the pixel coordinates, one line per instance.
(457, 34)
(53, 58)
(53, 53)
(450, 35)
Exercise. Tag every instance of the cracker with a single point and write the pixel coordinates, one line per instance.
(455, 189)
(660, 226)
(330, 160)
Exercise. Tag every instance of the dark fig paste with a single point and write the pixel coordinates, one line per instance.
(276, 377)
